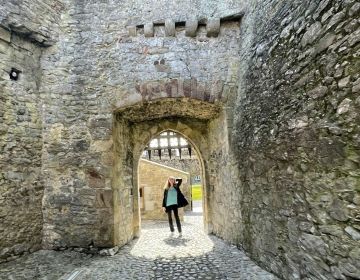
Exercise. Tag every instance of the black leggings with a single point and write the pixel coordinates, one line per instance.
(176, 214)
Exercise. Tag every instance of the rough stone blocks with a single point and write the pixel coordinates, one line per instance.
(149, 30)
(191, 28)
(169, 27)
(132, 31)
(213, 27)
(5, 35)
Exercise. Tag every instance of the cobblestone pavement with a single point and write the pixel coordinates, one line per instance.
(155, 255)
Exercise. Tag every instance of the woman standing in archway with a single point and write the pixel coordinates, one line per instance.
(173, 199)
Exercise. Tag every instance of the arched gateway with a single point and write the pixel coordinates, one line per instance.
(134, 127)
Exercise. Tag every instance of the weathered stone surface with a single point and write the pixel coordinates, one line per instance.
(331, 229)
(22, 18)
(355, 234)
(169, 27)
(311, 34)
(109, 252)
(159, 108)
(213, 27)
(191, 28)
(344, 106)
(5, 34)
(271, 107)
(132, 30)
(149, 30)
(313, 243)
(21, 183)
(311, 187)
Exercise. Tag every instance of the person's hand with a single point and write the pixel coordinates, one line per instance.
(164, 208)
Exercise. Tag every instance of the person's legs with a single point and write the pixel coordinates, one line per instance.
(176, 214)
(170, 219)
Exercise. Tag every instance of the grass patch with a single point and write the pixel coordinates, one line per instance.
(196, 192)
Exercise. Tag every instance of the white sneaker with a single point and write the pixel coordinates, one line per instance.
(180, 234)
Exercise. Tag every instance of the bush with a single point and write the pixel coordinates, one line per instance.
(196, 192)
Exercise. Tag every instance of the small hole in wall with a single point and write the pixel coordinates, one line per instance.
(94, 174)
(14, 74)
(180, 24)
(157, 24)
(140, 29)
(162, 61)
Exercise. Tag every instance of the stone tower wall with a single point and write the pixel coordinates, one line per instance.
(296, 137)
(189, 165)
(100, 66)
(21, 144)
(23, 35)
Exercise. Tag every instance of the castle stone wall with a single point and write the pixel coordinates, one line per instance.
(21, 184)
(98, 68)
(267, 90)
(296, 137)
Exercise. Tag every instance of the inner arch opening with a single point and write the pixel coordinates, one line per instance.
(133, 129)
(169, 154)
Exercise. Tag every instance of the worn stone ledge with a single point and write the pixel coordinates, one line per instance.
(25, 33)
(169, 107)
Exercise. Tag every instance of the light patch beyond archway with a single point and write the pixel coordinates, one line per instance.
(200, 162)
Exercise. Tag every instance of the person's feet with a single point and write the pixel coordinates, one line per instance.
(180, 234)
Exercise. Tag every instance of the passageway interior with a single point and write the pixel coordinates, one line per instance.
(168, 154)
(265, 91)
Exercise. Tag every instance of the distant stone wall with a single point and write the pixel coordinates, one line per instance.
(21, 184)
(296, 138)
(190, 165)
(152, 178)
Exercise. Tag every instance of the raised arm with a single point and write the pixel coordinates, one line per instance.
(178, 182)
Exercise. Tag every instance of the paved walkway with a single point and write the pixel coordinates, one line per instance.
(155, 255)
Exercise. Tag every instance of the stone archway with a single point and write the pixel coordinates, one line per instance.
(133, 128)
(160, 127)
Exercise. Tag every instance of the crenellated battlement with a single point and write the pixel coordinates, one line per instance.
(191, 26)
